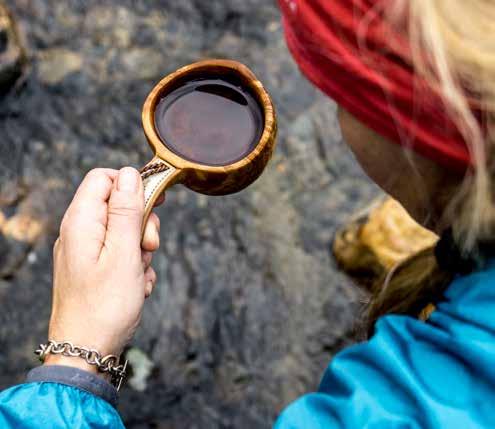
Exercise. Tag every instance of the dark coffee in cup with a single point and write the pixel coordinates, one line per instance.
(209, 121)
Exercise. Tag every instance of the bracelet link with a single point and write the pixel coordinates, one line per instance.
(107, 364)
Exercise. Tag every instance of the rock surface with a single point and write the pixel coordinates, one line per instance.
(249, 307)
(12, 53)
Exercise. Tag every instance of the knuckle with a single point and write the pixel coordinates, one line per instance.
(148, 290)
(147, 258)
(120, 201)
(95, 173)
(64, 225)
(124, 209)
(56, 247)
(152, 275)
(96, 177)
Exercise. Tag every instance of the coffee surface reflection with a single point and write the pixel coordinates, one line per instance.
(209, 121)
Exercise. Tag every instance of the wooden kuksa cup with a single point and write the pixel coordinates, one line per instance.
(168, 168)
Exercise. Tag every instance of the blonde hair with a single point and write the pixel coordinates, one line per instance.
(453, 47)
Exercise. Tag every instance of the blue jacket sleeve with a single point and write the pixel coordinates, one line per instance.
(55, 406)
(413, 374)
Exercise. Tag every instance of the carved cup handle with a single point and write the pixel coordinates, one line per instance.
(157, 176)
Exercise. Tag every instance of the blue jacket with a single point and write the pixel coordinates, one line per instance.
(411, 374)
(60, 397)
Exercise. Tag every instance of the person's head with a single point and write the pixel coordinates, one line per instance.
(450, 46)
(423, 189)
(415, 84)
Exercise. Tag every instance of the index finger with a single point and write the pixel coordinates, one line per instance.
(87, 213)
(96, 185)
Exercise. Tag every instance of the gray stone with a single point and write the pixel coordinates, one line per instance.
(249, 307)
(57, 63)
(13, 58)
(12, 255)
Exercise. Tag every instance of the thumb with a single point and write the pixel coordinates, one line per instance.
(125, 211)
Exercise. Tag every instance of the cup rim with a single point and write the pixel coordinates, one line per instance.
(212, 67)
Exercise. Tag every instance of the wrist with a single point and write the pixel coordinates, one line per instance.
(63, 329)
(74, 362)
(67, 354)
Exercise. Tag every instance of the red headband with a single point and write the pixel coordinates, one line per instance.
(344, 47)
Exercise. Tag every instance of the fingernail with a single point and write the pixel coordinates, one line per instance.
(128, 180)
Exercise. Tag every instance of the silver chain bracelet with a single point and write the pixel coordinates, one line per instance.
(109, 364)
